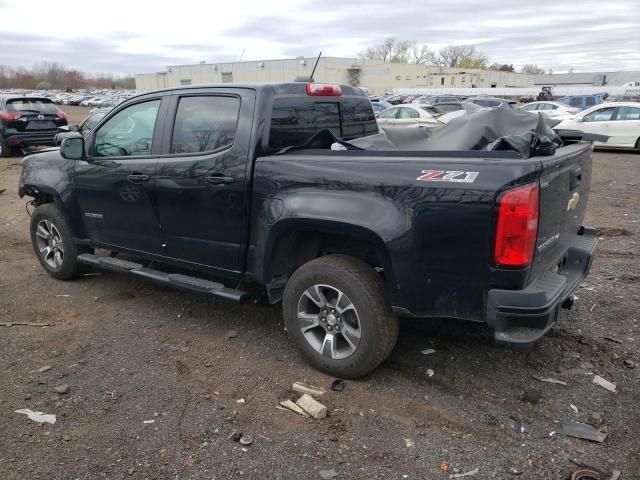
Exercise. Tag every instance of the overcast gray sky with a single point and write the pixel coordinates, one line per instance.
(126, 36)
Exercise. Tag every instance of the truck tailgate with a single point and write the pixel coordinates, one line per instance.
(564, 189)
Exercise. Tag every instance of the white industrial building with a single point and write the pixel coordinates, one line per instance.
(375, 75)
(630, 79)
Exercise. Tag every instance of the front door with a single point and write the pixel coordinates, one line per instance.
(115, 185)
(202, 176)
(599, 121)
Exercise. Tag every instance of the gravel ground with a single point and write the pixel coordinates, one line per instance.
(156, 386)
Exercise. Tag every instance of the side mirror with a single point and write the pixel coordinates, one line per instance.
(74, 128)
(72, 147)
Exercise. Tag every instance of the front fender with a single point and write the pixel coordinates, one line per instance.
(47, 176)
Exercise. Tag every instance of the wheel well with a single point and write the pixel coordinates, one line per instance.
(294, 250)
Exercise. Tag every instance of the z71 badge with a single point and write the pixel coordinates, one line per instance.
(447, 176)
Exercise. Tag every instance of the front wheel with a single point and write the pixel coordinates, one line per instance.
(53, 244)
(337, 313)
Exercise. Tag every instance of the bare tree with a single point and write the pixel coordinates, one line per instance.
(532, 69)
(422, 55)
(391, 50)
(453, 55)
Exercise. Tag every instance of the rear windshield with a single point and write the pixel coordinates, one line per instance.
(39, 105)
(295, 120)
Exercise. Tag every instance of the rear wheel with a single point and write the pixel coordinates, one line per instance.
(53, 244)
(337, 313)
(638, 145)
(6, 150)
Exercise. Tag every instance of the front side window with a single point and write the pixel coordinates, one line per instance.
(91, 122)
(129, 132)
(602, 115)
(389, 113)
(204, 124)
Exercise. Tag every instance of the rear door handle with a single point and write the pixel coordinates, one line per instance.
(217, 180)
(138, 178)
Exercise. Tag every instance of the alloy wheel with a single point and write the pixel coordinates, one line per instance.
(49, 242)
(329, 321)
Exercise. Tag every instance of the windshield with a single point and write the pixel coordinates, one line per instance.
(435, 111)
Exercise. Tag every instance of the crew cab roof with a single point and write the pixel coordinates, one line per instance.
(281, 88)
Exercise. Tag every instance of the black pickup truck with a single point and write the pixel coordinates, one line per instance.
(184, 186)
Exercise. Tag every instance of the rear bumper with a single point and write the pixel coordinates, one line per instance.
(26, 139)
(523, 316)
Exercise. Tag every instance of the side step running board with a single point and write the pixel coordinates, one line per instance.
(177, 280)
(521, 336)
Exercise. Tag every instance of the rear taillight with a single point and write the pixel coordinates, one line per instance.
(517, 226)
(61, 114)
(10, 116)
(323, 90)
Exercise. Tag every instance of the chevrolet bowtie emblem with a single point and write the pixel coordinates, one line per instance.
(573, 202)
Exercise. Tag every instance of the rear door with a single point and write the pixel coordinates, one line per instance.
(599, 121)
(625, 127)
(203, 175)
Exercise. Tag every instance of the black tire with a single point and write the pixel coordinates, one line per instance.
(69, 267)
(364, 289)
(638, 145)
(5, 150)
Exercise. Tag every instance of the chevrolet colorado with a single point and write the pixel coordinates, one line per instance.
(187, 185)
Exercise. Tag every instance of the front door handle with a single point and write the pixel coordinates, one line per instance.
(138, 178)
(217, 180)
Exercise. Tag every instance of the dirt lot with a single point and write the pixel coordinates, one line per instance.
(155, 384)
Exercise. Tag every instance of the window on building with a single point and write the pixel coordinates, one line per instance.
(185, 82)
(408, 77)
(453, 80)
(464, 79)
(442, 81)
(398, 77)
(204, 124)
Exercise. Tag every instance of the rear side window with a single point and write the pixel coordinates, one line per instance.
(296, 120)
(358, 119)
(628, 113)
(590, 101)
(575, 102)
(37, 105)
(204, 124)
